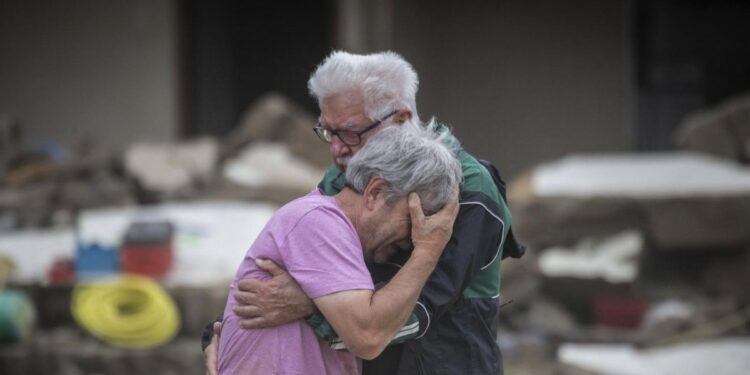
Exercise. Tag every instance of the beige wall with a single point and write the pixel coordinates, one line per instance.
(105, 70)
(523, 81)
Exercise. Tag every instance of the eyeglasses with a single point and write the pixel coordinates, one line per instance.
(348, 137)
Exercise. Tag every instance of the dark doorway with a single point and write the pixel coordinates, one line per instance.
(690, 54)
(237, 51)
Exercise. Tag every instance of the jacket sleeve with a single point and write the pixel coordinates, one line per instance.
(475, 244)
(476, 240)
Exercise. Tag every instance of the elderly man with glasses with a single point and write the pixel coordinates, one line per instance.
(453, 325)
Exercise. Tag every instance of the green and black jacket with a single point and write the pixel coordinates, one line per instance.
(453, 327)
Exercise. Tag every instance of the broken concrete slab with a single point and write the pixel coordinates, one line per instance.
(257, 166)
(172, 167)
(678, 200)
(722, 356)
(274, 118)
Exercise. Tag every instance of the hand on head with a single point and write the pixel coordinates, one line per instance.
(430, 234)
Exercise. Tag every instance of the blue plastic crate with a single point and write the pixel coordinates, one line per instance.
(94, 260)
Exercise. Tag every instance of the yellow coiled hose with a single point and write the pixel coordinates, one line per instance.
(126, 311)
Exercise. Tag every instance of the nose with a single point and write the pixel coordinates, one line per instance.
(338, 148)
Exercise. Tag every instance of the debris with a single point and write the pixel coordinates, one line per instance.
(95, 260)
(721, 131)
(171, 168)
(129, 311)
(6, 268)
(728, 276)
(595, 268)
(17, 317)
(677, 200)
(619, 311)
(147, 248)
(258, 166)
(274, 118)
(34, 252)
(709, 329)
(520, 280)
(604, 359)
(210, 237)
(667, 312)
(62, 272)
(644, 175)
(726, 356)
(613, 259)
(526, 353)
(549, 318)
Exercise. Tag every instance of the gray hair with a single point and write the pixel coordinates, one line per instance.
(386, 81)
(410, 158)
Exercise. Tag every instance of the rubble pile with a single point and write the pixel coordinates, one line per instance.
(723, 131)
(65, 215)
(637, 263)
(48, 186)
(640, 262)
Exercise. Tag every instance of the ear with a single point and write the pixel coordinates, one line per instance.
(402, 116)
(374, 193)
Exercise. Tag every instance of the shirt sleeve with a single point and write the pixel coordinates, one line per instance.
(323, 254)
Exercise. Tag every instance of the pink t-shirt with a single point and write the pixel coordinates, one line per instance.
(317, 244)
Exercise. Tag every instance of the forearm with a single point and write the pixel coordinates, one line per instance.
(367, 321)
(392, 305)
(368, 327)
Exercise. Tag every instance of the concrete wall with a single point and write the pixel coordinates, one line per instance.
(523, 81)
(105, 70)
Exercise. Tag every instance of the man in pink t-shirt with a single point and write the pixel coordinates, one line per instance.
(323, 243)
(319, 247)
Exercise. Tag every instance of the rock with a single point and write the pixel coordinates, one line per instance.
(677, 200)
(274, 118)
(258, 166)
(550, 318)
(520, 281)
(722, 131)
(170, 168)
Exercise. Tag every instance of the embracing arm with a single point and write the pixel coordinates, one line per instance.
(475, 243)
(366, 320)
(278, 300)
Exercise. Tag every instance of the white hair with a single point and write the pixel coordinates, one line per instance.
(410, 158)
(386, 81)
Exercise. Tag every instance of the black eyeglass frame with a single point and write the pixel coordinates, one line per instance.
(320, 131)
